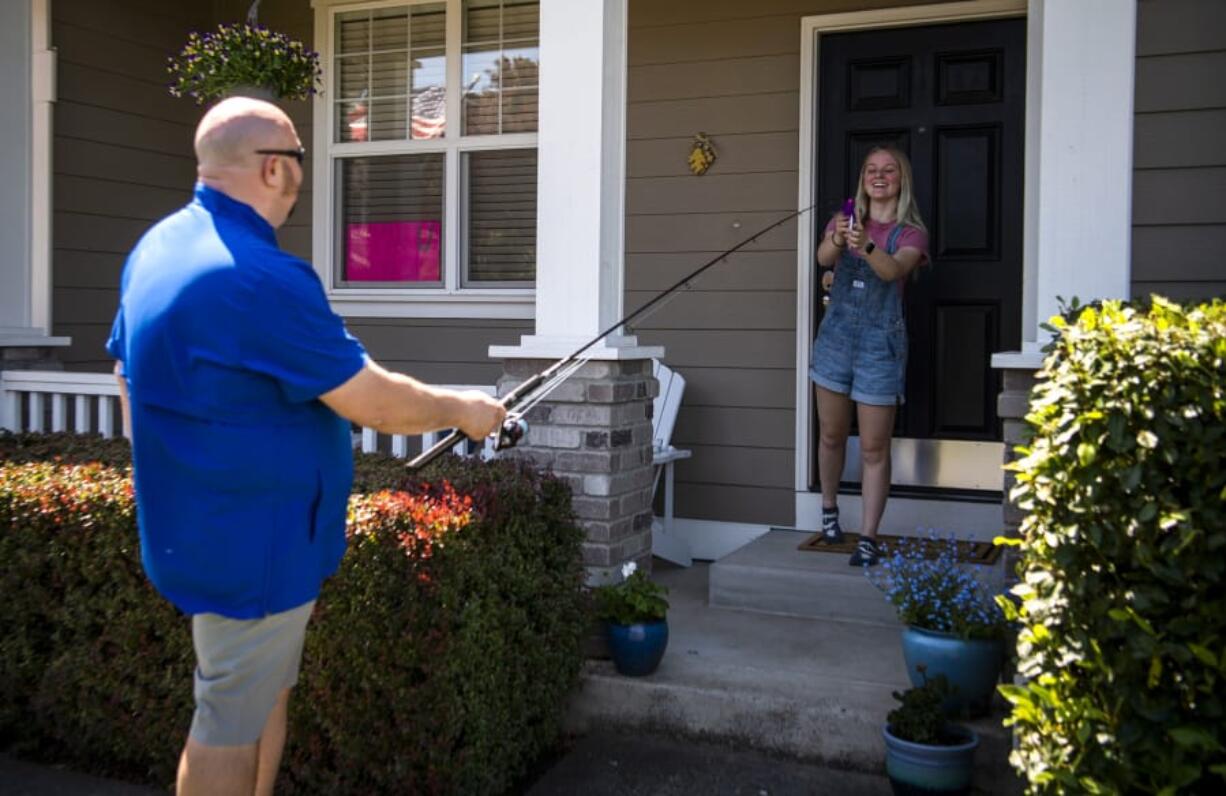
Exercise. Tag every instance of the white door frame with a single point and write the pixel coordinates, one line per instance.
(808, 504)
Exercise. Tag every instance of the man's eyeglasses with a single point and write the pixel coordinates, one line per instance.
(298, 154)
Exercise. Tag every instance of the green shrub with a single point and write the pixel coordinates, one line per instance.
(65, 448)
(920, 716)
(633, 599)
(439, 659)
(1123, 556)
(94, 667)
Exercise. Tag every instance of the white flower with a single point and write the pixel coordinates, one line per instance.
(628, 569)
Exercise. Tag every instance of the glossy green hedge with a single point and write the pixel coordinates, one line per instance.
(1123, 556)
(439, 660)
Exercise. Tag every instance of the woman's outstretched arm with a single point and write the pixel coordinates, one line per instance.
(833, 243)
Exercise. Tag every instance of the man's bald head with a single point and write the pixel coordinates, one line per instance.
(227, 160)
(233, 129)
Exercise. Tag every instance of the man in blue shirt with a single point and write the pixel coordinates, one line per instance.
(238, 384)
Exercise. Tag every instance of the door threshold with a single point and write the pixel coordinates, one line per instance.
(905, 515)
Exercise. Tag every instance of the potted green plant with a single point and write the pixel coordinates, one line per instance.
(244, 59)
(634, 612)
(954, 626)
(924, 753)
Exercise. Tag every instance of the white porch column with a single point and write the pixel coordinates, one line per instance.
(1084, 152)
(1080, 90)
(595, 430)
(27, 89)
(581, 182)
(15, 126)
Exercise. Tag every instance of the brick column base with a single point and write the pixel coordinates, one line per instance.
(1011, 407)
(594, 431)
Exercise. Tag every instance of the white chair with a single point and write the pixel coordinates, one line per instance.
(664, 542)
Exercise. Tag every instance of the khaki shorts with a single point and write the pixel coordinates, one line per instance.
(242, 666)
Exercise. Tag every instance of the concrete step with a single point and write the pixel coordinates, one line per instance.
(814, 689)
(770, 575)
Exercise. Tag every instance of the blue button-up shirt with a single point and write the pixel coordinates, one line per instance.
(242, 475)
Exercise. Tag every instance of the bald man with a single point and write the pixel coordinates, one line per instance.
(238, 383)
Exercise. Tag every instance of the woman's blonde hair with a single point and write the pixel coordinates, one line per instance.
(907, 212)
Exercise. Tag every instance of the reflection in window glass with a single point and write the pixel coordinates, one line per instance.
(501, 66)
(391, 74)
(390, 220)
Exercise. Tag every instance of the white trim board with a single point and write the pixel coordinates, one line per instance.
(42, 96)
(25, 197)
(806, 245)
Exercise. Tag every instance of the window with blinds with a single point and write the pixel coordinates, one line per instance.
(391, 70)
(501, 66)
(394, 159)
(500, 244)
(391, 220)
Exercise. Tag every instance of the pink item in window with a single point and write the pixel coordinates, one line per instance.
(393, 251)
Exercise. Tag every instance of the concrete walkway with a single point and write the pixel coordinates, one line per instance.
(605, 764)
(609, 764)
(19, 778)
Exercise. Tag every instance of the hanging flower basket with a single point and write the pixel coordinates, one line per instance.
(242, 60)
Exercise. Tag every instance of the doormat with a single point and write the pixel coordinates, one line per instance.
(968, 552)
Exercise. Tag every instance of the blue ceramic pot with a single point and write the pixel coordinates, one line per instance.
(972, 666)
(638, 648)
(915, 768)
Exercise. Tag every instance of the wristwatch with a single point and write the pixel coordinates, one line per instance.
(869, 248)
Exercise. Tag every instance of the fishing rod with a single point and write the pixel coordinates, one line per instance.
(541, 384)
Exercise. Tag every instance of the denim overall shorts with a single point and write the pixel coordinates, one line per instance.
(861, 345)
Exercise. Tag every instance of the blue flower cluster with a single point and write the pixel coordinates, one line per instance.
(937, 593)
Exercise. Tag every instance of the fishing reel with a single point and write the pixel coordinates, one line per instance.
(512, 431)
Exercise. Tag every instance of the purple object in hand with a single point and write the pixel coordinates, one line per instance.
(849, 211)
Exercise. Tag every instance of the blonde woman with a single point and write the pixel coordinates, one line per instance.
(860, 354)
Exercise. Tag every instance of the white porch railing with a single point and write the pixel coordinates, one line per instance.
(84, 403)
(94, 398)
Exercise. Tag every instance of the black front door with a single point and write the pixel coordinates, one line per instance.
(953, 98)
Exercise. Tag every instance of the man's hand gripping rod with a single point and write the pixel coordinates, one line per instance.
(515, 427)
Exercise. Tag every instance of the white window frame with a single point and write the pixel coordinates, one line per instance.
(453, 300)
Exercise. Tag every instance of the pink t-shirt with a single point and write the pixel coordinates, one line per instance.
(879, 233)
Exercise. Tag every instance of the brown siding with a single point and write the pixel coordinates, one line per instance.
(121, 155)
(439, 350)
(294, 18)
(1179, 162)
(732, 70)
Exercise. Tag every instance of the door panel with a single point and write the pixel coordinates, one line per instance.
(965, 334)
(966, 218)
(953, 98)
